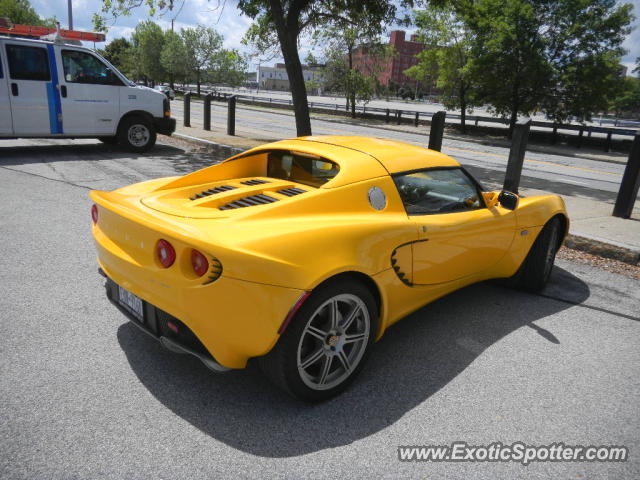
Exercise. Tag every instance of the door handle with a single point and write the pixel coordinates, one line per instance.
(63, 91)
(14, 89)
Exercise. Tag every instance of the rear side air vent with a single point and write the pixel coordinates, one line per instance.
(250, 201)
(211, 191)
(291, 192)
(255, 181)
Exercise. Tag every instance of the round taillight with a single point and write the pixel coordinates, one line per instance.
(199, 263)
(166, 253)
(94, 213)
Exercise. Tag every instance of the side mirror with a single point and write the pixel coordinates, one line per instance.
(508, 200)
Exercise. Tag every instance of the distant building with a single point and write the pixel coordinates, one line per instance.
(276, 78)
(392, 67)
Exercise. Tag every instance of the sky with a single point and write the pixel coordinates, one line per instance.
(224, 16)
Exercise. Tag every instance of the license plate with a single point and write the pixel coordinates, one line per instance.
(130, 302)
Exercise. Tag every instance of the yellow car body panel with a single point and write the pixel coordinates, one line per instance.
(272, 253)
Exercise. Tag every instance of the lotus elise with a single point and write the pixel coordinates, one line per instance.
(299, 254)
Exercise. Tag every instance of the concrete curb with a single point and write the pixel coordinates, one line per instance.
(575, 241)
(603, 248)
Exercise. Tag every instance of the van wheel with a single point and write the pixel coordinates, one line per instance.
(108, 140)
(327, 343)
(136, 134)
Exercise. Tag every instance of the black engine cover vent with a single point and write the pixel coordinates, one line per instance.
(255, 181)
(249, 201)
(211, 191)
(291, 192)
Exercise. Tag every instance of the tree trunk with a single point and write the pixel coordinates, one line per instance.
(463, 109)
(353, 104)
(515, 106)
(353, 90)
(288, 37)
(198, 79)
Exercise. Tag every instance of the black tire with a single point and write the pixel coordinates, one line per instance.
(109, 140)
(136, 134)
(536, 269)
(281, 365)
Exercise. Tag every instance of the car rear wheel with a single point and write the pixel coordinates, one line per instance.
(326, 344)
(536, 269)
(137, 134)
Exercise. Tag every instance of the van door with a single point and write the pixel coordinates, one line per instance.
(90, 93)
(35, 106)
(6, 126)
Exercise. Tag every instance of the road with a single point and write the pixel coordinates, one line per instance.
(565, 175)
(84, 394)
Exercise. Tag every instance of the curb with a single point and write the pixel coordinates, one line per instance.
(603, 248)
(582, 242)
(202, 141)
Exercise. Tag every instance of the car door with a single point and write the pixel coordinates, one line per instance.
(90, 93)
(458, 235)
(6, 125)
(32, 92)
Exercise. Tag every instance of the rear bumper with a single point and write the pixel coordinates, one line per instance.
(234, 320)
(164, 125)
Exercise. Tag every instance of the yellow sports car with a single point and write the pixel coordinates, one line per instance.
(301, 253)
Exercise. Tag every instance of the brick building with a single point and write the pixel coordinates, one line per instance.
(392, 67)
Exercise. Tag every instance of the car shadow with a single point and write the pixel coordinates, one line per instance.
(414, 360)
(183, 161)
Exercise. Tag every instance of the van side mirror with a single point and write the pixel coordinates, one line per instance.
(508, 200)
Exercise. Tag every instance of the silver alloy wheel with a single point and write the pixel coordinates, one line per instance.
(333, 341)
(138, 135)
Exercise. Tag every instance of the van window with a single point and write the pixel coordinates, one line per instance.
(82, 67)
(28, 63)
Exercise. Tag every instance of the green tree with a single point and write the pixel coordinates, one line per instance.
(21, 12)
(283, 22)
(148, 40)
(446, 58)
(174, 56)
(555, 56)
(343, 72)
(201, 45)
(228, 67)
(117, 52)
(626, 98)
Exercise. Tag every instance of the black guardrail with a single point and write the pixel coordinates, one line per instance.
(398, 114)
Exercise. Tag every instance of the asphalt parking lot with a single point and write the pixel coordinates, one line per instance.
(84, 394)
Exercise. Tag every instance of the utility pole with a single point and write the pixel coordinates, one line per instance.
(70, 14)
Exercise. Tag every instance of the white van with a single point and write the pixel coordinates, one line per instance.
(56, 89)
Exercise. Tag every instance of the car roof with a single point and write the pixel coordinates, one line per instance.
(361, 158)
(393, 155)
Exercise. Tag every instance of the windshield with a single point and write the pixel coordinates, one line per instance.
(300, 167)
(114, 69)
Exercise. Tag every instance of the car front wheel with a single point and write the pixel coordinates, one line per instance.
(327, 342)
(137, 134)
(536, 268)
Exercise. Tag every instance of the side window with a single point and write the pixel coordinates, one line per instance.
(437, 191)
(82, 67)
(28, 63)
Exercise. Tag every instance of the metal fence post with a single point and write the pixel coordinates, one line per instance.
(516, 155)
(554, 134)
(231, 115)
(187, 109)
(579, 143)
(207, 111)
(398, 117)
(386, 120)
(607, 145)
(417, 119)
(437, 130)
(630, 182)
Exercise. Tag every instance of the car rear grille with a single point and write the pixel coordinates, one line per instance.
(291, 192)
(250, 201)
(211, 191)
(255, 181)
